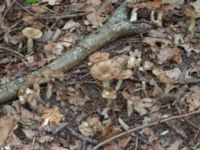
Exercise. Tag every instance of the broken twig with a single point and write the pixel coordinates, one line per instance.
(144, 126)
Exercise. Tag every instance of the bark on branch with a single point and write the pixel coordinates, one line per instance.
(118, 25)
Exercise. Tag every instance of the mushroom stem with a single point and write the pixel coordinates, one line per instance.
(119, 84)
(29, 45)
(157, 21)
(105, 84)
(129, 107)
(192, 25)
(109, 103)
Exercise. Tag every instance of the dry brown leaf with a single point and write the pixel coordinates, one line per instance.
(39, 9)
(75, 96)
(51, 116)
(169, 54)
(161, 74)
(175, 145)
(7, 123)
(14, 140)
(94, 2)
(112, 147)
(98, 15)
(193, 99)
(156, 146)
(90, 127)
(71, 25)
(98, 56)
(28, 117)
(174, 73)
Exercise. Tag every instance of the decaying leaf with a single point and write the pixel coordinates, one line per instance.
(169, 54)
(98, 56)
(7, 123)
(140, 105)
(90, 127)
(193, 99)
(51, 116)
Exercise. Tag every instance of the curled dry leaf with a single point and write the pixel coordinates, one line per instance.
(174, 73)
(75, 96)
(134, 59)
(139, 105)
(90, 127)
(51, 116)
(7, 124)
(193, 99)
(98, 56)
(154, 41)
(71, 25)
(169, 54)
(161, 74)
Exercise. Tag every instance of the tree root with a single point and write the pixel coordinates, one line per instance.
(117, 26)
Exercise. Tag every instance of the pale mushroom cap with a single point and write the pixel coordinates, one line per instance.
(125, 74)
(32, 33)
(109, 69)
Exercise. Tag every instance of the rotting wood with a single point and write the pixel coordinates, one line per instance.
(117, 26)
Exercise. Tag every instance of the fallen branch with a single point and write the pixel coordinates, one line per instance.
(117, 26)
(144, 126)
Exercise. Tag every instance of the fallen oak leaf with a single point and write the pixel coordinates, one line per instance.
(51, 116)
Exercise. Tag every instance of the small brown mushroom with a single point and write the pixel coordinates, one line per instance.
(31, 33)
(193, 12)
(108, 70)
(125, 74)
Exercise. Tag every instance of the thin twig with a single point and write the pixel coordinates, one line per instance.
(144, 126)
(13, 52)
(4, 15)
(74, 133)
(82, 137)
(48, 16)
(176, 130)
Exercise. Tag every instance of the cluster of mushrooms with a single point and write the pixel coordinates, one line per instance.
(105, 70)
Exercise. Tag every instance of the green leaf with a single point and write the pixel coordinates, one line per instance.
(32, 1)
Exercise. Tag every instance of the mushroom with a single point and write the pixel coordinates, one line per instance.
(193, 12)
(125, 74)
(31, 33)
(109, 93)
(109, 70)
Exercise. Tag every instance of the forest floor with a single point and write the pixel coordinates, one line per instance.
(137, 92)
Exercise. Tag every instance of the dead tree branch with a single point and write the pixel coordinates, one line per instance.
(117, 26)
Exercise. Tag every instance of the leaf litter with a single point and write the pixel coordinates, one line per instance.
(125, 85)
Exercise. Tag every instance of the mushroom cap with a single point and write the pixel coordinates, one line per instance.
(124, 74)
(109, 93)
(32, 33)
(108, 69)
